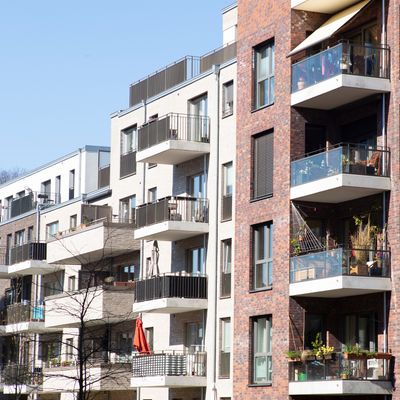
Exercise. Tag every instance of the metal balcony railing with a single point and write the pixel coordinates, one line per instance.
(358, 159)
(17, 374)
(340, 262)
(170, 363)
(24, 312)
(172, 209)
(344, 58)
(337, 366)
(127, 164)
(104, 177)
(218, 57)
(167, 286)
(26, 251)
(191, 128)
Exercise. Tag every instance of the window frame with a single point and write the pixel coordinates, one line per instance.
(267, 354)
(223, 322)
(224, 264)
(129, 146)
(228, 97)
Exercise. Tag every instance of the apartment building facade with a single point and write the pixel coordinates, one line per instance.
(316, 228)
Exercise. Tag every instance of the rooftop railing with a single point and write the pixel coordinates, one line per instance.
(340, 262)
(170, 363)
(345, 158)
(171, 285)
(192, 128)
(172, 209)
(344, 58)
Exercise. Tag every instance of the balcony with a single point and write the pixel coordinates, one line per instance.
(171, 294)
(101, 305)
(92, 241)
(340, 75)
(340, 376)
(173, 139)
(100, 376)
(21, 379)
(346, 172)
(324, 7)
(172, 219)
(169, 369)
(340, 273)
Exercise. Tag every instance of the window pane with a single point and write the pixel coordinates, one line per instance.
(262, 358)
(264, 75)
(260, 369)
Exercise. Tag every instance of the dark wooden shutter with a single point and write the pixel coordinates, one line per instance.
(263, 165)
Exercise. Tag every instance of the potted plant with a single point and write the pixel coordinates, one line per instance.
(293, 355)
(345, 373)
(296, 246)
(301, 83)
(320, 350)
(354, 352)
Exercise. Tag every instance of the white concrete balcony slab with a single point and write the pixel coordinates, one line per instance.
(102, 305)
(173, 139)
(92, 242)
(171, 294)
(324, 7)
(100, 377)
(337, 273)
(340, 75)
(344, 173)
(169, 369)
(172, 219)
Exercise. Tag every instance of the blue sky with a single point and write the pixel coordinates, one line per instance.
(66, 65)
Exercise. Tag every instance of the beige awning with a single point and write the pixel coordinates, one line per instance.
(331, 26)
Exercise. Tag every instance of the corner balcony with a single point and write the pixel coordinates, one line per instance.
(91, 242)
(339, 376)
(340, 75)
(340, 273)
(346, 172)
(25, 317)
(101, 305)
(100, 376)
(173, 139)
(169, 369)
(21, 379)
(171, 294)
(172, 219)
(29, 259)
(324, 7)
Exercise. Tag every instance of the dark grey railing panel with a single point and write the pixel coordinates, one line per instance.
(127, 164)
(226, 207)
(27, 251)
(217, 57)
(104, 177)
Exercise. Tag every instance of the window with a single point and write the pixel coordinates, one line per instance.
(46, 190)
(227, 191)
(263, 163)
(127, 209)
(227, 99)
(69, 349)
(359, 329)
(196, 261)
(194, 336)
(73, 221)
(51, 230)
(30, 234)
(263, 65)
(262, 255)
(57, 198)
(198, 126)
(152, 195)
(71, 184)
(71, 283)
(128, 140)
(262, 350)
(225, 353)
(226, 269)
(19, 238)
(149, 332)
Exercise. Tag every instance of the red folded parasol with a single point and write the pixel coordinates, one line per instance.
(139, 341)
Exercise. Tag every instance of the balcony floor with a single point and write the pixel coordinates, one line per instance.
(173, 152)
(340, 188)
(169, 381)
(340, 387)
(340, 286)
(171, 230)
(170, 305)
(338, 91)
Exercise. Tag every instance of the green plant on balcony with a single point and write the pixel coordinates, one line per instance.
(345, 373)
(293, 355)
(320, 349)
(296, 246)
(354, 352)
(363, 239)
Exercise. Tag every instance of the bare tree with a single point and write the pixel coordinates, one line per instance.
(9, 174)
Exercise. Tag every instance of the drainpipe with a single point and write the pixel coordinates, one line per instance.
(217, 76)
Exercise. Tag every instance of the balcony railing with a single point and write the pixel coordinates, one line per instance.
(339, 367)
(227, 207)
(104, 177)
(17, 374)
(340, 262)
(167, 286)
(344, 58)
(27, 251)
(172, 209)
(127, 164)
(24, 312)
(355, 159)
(178, 72)
(192, 128)
(170, 363)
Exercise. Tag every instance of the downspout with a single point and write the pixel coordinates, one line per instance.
(217, 75)
(79, 173)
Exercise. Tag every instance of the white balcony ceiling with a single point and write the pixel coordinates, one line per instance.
(322, 6)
